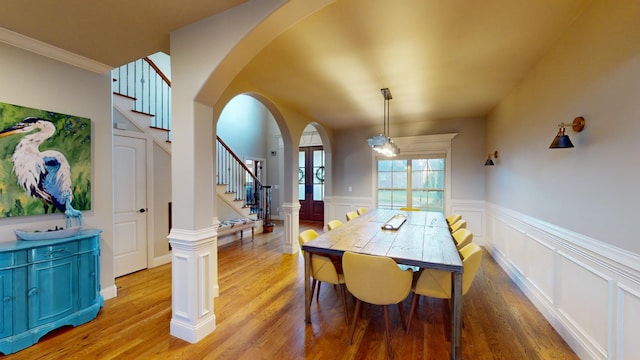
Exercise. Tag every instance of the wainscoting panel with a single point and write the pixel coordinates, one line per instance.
(473, 213)
(588, 290)
(541, 275)
(628, 323)
(584, 296)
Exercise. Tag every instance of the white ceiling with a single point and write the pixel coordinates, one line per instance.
(441, 59)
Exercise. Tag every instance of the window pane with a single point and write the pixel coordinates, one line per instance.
(318, 192)
(300, 192)
(384, 199)
(384, 180)
(399, 180)
(436, 201)
(399, 165)
(436, 164)
(384, 165)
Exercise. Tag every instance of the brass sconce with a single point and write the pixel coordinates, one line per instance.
(562, 141)
(489, 162)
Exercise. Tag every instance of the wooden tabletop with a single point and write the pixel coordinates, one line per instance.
(423, 240)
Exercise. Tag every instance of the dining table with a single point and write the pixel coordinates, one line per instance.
(414, 238)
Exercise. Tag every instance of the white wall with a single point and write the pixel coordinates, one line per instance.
(562, 221)
(40, 82)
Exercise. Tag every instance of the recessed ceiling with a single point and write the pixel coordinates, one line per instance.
(441, 59)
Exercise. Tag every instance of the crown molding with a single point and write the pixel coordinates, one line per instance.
(41, 48)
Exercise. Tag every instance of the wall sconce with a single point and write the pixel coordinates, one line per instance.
(561, 141)
(489, 162)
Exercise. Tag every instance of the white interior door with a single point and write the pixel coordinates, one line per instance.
(130, 205)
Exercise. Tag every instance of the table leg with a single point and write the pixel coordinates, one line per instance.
(307, 287)
(456, 315)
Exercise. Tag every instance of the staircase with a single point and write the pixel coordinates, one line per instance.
(136, 104)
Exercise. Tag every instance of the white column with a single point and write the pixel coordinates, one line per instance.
(194, 259)
(291, 227)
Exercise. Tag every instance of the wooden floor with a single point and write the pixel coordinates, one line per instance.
(260, 315)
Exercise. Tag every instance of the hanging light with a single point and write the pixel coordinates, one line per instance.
(382, 143)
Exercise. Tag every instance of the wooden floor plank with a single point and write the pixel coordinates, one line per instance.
(260, 315)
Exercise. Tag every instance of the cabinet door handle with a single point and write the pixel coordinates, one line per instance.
(53, 252)
(32, 291)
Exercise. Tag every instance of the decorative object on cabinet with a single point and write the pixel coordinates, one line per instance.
(48, 152)
(47, 284)
(55, 233)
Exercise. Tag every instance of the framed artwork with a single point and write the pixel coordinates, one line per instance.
(45, 162)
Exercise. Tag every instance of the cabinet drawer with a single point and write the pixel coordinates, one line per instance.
(13, 258)
(53, 251)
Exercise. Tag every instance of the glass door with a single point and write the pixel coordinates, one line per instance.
(311, 183)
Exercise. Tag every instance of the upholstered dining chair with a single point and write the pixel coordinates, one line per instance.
(333, 224)
(453, 218)
(362, 210)
(437, 283)
(323, 270)
(409, 209)
(462, 237)
(376, 280)
(351, 215)
(460, 224)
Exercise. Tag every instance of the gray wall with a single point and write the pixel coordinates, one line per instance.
(40, 82)
(353, 166)
(592, 189)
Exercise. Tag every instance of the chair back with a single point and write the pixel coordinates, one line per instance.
(462, 237)
(322, 268)
(453, 218)
(460, 224)
(471, 259)
(333, 224)
(351, 215)
(375, 279)
(437, 283)
(362, 210)
(307, 236)
(409, 209)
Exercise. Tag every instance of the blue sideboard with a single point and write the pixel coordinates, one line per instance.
(46, 284)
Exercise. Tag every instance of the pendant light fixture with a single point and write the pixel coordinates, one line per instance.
(382, 143)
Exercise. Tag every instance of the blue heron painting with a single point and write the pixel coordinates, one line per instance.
(45, 164)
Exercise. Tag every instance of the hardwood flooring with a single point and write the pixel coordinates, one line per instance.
(260, 315)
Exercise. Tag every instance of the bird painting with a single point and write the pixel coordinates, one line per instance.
(44, 175)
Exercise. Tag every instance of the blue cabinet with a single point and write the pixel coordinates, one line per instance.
(47, 284)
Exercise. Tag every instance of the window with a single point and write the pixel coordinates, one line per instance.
(420, 177)
(412, 182)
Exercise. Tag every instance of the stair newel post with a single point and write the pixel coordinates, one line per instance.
(268, 225)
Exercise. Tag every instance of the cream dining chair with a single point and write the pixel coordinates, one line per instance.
(333, 224)
(462, 238)
(460, 224)
(323, 270)
(362, 210)
(453, 218)
(351, 215)
(376, 280)
(437, 283)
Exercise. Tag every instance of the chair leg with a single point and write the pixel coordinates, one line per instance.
(401, 310)
(414, 303)
(343, 290)
(318, 293)
(313, 288)
(387, 330)
(355, 318)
